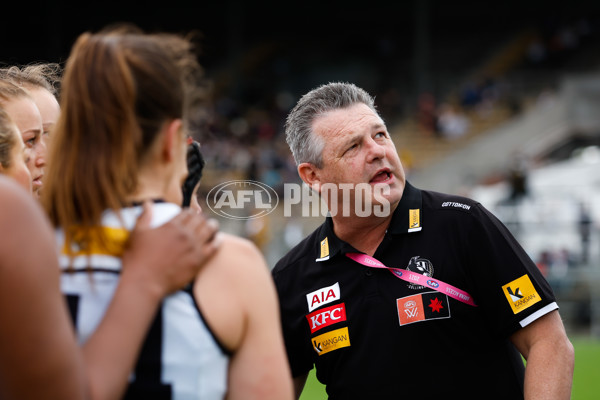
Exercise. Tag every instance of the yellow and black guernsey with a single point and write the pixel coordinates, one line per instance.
(371, 335)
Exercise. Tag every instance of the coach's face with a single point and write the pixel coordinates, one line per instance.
(358, 150)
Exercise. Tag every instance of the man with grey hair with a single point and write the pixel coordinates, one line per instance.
(407, 292)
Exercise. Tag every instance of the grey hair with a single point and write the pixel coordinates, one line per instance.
(305, 146)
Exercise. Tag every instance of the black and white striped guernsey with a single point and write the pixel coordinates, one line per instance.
(180, 359)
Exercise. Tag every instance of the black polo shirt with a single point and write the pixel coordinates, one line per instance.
(373, 335)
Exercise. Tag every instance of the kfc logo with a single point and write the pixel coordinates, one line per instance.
(325, 317)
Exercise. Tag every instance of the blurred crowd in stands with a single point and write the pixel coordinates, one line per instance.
(246, 141)
(552, 47)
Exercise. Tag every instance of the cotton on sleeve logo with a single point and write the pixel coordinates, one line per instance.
(455, 204)
(323, 296)
(325, 317)
(331, 341)
(520, 294)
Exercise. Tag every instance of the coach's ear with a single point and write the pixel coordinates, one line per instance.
(310, 175)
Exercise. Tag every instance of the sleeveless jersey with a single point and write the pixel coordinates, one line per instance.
(181, 358)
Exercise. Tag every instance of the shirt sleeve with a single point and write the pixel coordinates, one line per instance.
(509, 285)
(294, 326)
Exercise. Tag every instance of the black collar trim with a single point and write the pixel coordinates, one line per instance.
(407, 218)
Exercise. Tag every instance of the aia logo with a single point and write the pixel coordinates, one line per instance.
(325, 317)
(323, 296)
(242, 199)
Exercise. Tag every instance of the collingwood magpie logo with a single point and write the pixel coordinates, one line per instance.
(420, 266)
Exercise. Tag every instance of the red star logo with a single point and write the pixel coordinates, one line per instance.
(436, 305)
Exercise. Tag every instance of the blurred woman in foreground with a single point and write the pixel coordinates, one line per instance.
(121, 141)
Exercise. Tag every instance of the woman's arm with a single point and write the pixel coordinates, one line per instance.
(39, 356)
(259, 367)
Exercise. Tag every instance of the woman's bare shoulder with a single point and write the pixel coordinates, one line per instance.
(238, 249)
(237, 260)
(233, 283)
(234, 240)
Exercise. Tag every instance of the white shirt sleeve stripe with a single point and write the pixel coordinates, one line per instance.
(542, 311)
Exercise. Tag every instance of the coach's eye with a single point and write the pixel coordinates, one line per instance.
(350, 148)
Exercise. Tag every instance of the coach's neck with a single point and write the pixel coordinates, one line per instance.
(363, 233)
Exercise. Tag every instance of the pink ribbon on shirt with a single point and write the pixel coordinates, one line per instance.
(413, 277)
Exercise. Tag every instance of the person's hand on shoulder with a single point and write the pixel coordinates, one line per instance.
(168, 257)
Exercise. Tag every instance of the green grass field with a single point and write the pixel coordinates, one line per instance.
(586, 381)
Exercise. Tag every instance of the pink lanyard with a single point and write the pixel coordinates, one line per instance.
(413, 277)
